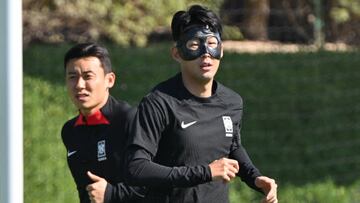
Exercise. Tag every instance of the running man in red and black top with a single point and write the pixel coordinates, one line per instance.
(95, 139)
(186, 134)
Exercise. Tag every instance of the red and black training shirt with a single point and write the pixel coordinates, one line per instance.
(97, 144)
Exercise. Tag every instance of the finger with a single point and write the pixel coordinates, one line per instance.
(91, 196)
(233, 169)
(234, 164)
(226, 177)
(93, 177)
(231, 173)
(265, 183)
(271, 197)
(231, 176)
(270, 201)
(273, 189)
(89, 188)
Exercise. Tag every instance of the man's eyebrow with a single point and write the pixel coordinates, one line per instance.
(70, 72)
(75, 73)
(86, 72)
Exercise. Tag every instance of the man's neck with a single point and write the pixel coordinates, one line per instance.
(197, 88)
(88, 112)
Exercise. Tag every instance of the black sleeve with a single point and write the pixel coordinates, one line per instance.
(142, 171)
(248, 172)
(123, 193)
(150, 122)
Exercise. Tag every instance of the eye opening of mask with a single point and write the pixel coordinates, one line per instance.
(195, 43)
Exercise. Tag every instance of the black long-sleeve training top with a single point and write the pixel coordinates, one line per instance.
(176, 135)
(97, 144)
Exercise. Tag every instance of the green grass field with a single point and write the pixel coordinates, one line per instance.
(301, 120)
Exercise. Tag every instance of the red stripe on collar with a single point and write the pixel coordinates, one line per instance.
(96, 118)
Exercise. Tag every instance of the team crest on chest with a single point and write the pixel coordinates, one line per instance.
(101, 151)
(228, 125)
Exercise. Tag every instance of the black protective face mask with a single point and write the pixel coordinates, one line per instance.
(198, 41)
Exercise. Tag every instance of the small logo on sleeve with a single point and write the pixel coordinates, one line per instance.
(228, 125)
(101, 151)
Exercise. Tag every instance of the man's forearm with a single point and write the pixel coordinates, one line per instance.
(142, 171)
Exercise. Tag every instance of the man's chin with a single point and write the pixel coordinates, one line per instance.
(205, 78)
(83, 107)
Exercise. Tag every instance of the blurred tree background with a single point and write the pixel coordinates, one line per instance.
(125, 22)
(136, 22)
(294, 21)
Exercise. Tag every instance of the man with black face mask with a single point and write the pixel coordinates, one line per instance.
(186, 134)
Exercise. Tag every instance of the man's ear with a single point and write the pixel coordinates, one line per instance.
(175, 54)
(110, 78)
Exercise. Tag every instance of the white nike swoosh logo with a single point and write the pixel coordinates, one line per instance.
(183, 125)
(71, 153)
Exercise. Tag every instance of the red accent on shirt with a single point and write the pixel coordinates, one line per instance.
(96, 118)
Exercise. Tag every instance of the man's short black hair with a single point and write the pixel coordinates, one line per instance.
(196, 15)
(87, 50)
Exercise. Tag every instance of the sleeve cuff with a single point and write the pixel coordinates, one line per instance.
(108, 193)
